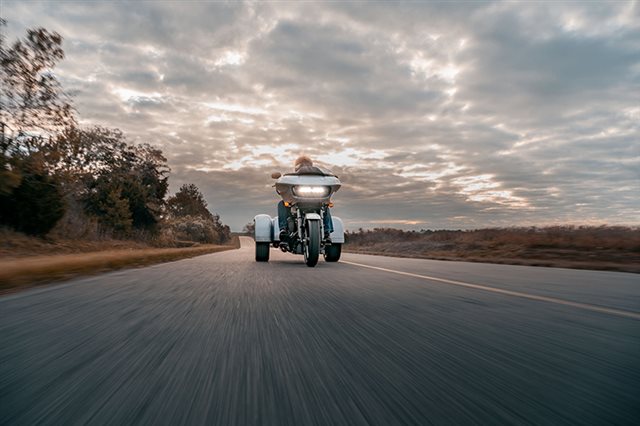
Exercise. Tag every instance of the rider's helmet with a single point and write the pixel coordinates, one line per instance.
(302, 161)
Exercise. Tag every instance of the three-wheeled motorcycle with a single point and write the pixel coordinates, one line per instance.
(308, 196)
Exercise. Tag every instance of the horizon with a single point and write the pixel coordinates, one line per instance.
(435, 116)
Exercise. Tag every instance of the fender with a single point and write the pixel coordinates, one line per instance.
(275, 227)
(337, 236)
(312, 216)
(263, 232)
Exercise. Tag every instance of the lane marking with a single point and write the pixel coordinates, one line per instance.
(585, 306)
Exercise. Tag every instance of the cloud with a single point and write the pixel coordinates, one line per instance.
(433, 115)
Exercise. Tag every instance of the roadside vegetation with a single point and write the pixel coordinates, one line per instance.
(61, 182)
(588, 247)
(17, 274)
(249, 229)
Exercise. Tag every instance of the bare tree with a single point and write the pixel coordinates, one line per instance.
(31, 97)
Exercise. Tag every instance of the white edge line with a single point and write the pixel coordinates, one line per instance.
(586, 306)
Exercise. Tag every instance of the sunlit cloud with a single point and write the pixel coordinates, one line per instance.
(231, 57)
(431, 173)
(350, 157)
(127, 95)
(484, 189)
(429, 68)
(244, 109)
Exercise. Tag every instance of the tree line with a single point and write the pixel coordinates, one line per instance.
(81, 182)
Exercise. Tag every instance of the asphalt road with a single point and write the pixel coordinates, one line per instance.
(220, 339)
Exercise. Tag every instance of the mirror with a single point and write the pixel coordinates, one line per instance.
(275, 175)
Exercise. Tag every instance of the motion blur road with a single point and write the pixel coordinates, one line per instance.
(221, 339)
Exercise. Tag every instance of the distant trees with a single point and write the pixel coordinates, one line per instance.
(122, 185)
(52, 169)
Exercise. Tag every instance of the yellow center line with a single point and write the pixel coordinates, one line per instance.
(585, 306)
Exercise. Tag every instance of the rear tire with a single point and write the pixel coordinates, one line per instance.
(262, 252)
(312, 249)
(332, 253)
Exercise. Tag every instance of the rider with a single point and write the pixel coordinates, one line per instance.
(303, 165)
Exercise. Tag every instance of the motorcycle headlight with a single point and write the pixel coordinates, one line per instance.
(311, 191)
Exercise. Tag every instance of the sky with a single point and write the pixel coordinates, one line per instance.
(434, 115)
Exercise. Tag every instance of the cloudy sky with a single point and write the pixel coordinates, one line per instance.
(434, 115)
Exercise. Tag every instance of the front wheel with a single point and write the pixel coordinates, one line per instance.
(262, 252)
(332, 253)
(312, 246)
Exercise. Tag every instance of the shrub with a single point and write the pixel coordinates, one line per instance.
(190, 219)
(34, 206)
(196, 229)
(76, 224)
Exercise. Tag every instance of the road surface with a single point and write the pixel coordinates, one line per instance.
(220, 339)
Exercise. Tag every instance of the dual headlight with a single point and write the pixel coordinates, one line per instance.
(311, 191)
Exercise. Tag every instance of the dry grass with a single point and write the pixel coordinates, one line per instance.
(19, 273)
(17, 245)
(604, 247)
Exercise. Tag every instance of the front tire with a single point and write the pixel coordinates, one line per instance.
(332, 253)
(312, 248)
(262, 252)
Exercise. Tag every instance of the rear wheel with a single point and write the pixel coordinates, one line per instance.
(262, 252)
(332, 252)
(312, 247)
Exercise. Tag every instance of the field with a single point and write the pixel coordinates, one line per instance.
(585, 247)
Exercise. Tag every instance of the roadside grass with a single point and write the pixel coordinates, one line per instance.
(20, 273)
